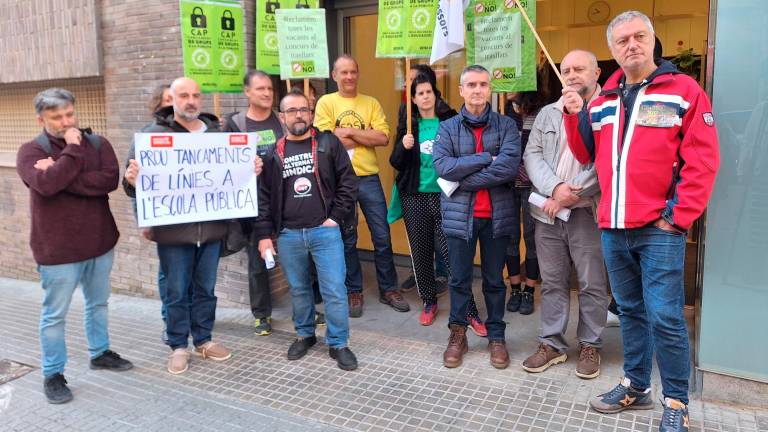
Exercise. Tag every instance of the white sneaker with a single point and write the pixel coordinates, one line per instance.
(612, 320)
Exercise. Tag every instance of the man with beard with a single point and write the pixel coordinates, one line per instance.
(188, 252)
(307, 189)
(73, 236)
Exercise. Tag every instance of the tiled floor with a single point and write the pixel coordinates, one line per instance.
(400, 385)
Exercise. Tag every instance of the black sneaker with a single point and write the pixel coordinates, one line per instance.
(526, 301)
(319, 319)
(515, 297)
(56, 390)
(409, 284)
(300, 346)
(344, 358)
(112, 361)
(622, 397)
(262, 326)
(675, 418)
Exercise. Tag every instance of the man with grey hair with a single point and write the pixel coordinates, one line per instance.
(480, 151)
(652, 137)
(567, 184)
(69, 173)
(188, 252)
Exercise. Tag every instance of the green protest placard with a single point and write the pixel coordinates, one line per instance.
(405, 28)
(498, 39)
(267, 57)
(303, 43)
(213, 44)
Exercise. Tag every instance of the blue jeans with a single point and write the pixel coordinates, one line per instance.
(59, 283)
(461, 255)
(190, 276)
(325, 247)
(645, 268)
(161, 290)
(372, 202)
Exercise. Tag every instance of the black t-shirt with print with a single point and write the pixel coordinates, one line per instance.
(303, 205)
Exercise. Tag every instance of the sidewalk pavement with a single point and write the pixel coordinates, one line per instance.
(401, 384)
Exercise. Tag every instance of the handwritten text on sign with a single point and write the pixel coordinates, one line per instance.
(195, 177)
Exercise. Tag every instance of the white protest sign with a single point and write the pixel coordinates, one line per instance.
(186, 177)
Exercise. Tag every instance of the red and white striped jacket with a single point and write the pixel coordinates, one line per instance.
(662, 162)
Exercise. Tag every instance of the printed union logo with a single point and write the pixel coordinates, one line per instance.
(238, 140)
(505, 73)
(161, 141)
(303, 67)
(229, 59)
(302, 186)
(393, 20)
(270, 40)
(201, 58)
(420, 19)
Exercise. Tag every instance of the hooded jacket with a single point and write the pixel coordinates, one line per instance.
(662, 162)
(185, 233)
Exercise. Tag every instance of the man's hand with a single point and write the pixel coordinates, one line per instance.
(408, 141)
(666, 226)
(73, 136)
(147, 234)
(551, 207)
(258, 165)
(265, 244)
(566, 194)
(572, 100)
(132, 172)
(330, 223)
(44, 164)
(345, 136)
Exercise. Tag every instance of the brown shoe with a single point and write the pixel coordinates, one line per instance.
(589, 363)
(213, 351)
(499, 354)
(395, 300)
(543, 358)
(178, 361)
(457, 346)
(355, 304)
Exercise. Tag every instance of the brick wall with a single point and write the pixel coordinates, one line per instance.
(141, 49)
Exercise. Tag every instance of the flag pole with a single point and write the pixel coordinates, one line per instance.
(217, 105)
(408, 95)
(541, 44)
(306, 87)
(502, 103)
(288, 85)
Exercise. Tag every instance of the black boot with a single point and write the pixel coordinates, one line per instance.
(526, 301)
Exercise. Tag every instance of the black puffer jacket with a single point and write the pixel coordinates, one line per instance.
(185, 233)
(408, 162)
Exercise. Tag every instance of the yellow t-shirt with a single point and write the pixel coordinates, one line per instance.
(360, 112)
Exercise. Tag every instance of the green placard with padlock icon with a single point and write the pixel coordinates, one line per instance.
(212, 35)
(267, 57)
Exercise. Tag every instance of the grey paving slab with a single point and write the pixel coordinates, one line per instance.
(400, 385)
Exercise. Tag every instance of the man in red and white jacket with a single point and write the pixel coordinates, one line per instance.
(653, 140)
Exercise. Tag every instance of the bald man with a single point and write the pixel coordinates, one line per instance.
(189, 252)
(567, 184)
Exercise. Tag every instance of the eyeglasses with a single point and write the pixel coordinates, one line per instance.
(296, 111)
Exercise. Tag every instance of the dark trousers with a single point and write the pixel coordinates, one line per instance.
(258, 284)
(461, 255)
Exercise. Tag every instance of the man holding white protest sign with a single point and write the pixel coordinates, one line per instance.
(308, 188)
(188, 248)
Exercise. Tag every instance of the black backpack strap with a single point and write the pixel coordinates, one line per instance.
(45, 143)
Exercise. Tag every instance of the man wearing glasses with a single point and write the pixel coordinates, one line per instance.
(307, 188)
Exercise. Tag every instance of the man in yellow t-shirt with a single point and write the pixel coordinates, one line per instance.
(359, 122)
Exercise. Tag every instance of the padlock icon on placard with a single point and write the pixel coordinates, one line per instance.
(305, 5)
(198, 19)
(227, 22)
(272, 6)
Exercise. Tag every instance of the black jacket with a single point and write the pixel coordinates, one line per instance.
(185, 233)
(408, 162)
(335, 177)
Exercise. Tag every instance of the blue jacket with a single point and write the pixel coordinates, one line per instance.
(455, 159)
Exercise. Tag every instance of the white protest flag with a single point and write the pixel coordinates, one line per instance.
(449, 29)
